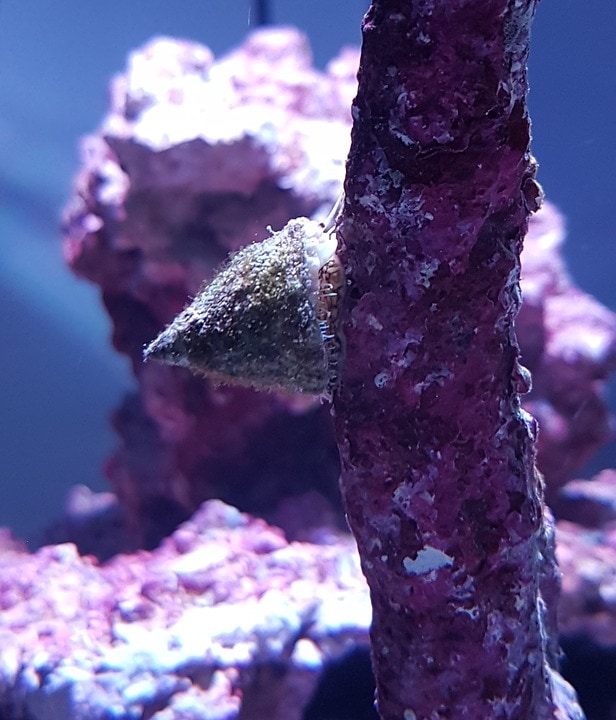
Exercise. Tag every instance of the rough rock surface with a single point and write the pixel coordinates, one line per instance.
(132, 635)
(224, 620)
(587, 559)
(438, 457)
(590, 503)
(568, 341)
(194, 160)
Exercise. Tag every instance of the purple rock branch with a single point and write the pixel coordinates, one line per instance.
(438, 457)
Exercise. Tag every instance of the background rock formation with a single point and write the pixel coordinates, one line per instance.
(166, 190)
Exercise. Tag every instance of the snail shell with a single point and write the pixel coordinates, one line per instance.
(268, 318)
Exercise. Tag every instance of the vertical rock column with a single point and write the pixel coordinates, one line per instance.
(438, 458)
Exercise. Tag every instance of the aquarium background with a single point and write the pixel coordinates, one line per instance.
(60, 376)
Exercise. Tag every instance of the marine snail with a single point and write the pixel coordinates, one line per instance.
(268, 317)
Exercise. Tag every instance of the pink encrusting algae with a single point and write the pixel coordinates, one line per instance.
(438, 457)
(222, 616)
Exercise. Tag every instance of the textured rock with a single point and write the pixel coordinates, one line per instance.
(587, 560)
(587, 609)
(568, 342)
(133, 634)
(591, 503)
(195, 159)
(438, 459)
(224, 618)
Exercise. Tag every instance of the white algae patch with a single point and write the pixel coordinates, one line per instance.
(427, 560)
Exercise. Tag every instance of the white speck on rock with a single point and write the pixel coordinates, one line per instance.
(381, 379)
(374, 323)
(427, 560)
(201, 559)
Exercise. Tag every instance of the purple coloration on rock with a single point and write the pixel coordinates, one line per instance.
(587, 559)
(195, 159)
(225, 620)
(591, 503)
(438, 458)
(568, 342)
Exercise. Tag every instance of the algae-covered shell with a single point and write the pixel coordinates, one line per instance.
(265, 320)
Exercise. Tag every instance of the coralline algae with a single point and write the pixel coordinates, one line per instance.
(211, 617)
(194, 161)
(568, 342)
(226, 617)
(438, 459)
(158, 206)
